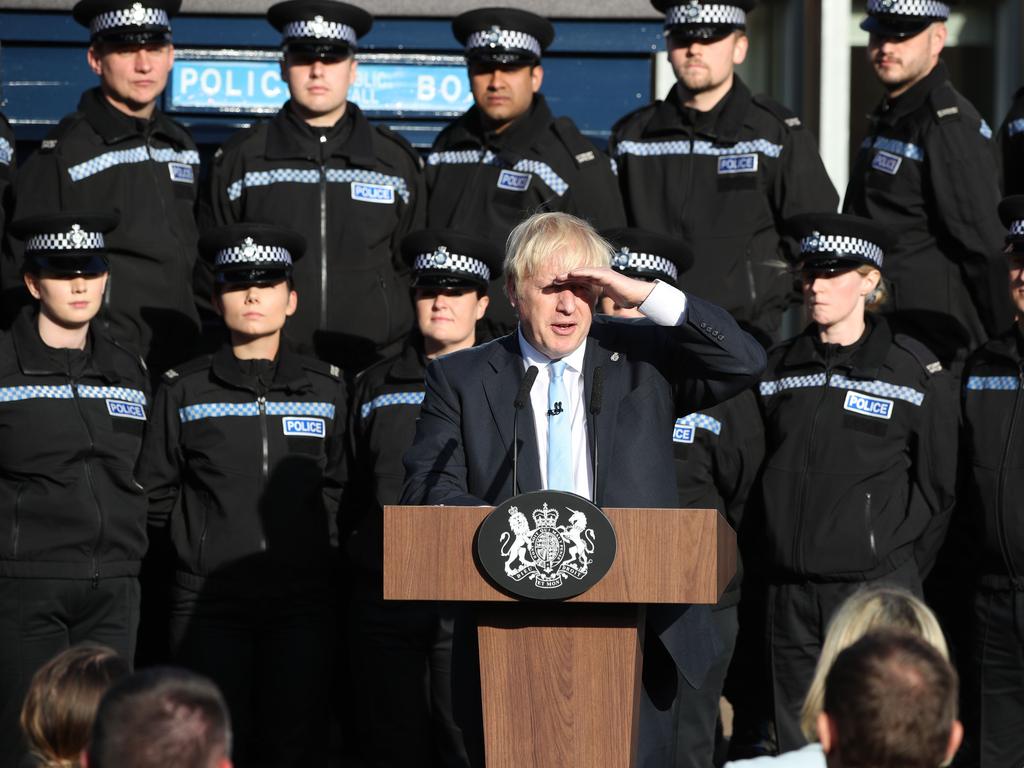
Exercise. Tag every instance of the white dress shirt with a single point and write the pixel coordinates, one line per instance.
(664, 305)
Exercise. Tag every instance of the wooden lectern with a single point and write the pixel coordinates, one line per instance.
(561, 681)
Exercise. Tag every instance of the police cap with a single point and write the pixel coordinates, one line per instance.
(1011, 211)
(447, 259)
(65, 244)
(127, 21)
(696, 19)
(250, 253)
(503, 35)
(835, 242)
(320, 27)
(903, 18)
(648, 255)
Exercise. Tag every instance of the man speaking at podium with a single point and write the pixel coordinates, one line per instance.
(687, 355)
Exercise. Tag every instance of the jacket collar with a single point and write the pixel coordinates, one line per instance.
(289, 137)
(1008, 346)
(863, 362)
(722, 123)
(520, 135)
(411, 362)
(890, 111)
(288, 376)
(37, 359)
(113, 125)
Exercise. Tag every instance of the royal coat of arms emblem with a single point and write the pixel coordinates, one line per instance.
(547, 553)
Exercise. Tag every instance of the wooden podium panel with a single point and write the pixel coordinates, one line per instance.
(664, 556)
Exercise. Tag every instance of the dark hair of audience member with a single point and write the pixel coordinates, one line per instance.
(62, 700)
(893, 700)
(161, 717)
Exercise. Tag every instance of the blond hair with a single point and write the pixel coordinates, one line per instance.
(877, 299)
(557, 240)
(868, 609)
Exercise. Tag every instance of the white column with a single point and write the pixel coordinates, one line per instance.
(834, 117)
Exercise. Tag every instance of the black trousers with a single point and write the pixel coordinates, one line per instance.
(270, 653)
(798, 617)
(401, 664)
(39, 618)
(994, 704)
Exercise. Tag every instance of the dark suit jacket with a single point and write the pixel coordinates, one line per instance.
(462, 454)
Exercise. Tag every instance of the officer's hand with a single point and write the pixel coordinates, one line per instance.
(624, 291)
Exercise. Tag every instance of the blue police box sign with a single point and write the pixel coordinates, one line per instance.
(249, 82)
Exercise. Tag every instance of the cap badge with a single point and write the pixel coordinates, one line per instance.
(493, 36)
(621, 259)
(138, 13)
(77, 236)
(692, 10)
(440, 256)
(887, 5)
(248, 248)
(316, 26)
(814, 241)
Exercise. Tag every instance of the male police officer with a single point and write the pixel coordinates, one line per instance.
(508, 156)
(720, 167)
(1011, 142)
(927, 170)
(120, 149)
(353, 190)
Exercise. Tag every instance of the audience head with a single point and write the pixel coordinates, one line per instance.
(870, 609)
(61, 703)
(161, 717)
(890, 702)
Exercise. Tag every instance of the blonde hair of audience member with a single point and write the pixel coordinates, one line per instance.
(547, 240)
(867, 609)
(62, 700)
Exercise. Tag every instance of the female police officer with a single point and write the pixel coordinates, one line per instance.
(860, 429)
(72, 412)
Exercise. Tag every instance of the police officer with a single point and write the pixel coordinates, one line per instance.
(1011, 142)
(719, 167)
(73, 406)
(120, 149)
(717, 454)
(992, 505)
(860, 428)
(244, 464)
(927, 170)
(508, 156)
(402, 652)
(352, 189)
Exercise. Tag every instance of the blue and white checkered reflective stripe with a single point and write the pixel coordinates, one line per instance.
(392, 398)
(6, 152)
(128, 157)
(880, 388)
(33, 392)
(923, 8)
(680, 147)
(324, 410)
(985, 130)
(219, 410)
(545, 172)
(1003, 383)
(307, 176)
(701, 421)
(114, 393)
(1017, 227)
(901, 148)
(1015, 126)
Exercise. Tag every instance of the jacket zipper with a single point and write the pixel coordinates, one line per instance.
(323, 236)
(798, 533)
(266, 457)
(16, 531)
(870, 527)
(92, 485)
(1000, 505)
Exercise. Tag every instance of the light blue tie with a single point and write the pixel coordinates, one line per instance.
(559, 431)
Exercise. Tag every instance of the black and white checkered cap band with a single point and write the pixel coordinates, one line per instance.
(842, 245)
(699, 14)
(75, 240)
(648, 262)
(124, 18)
(931, 9)
(321, 30)
(1017, 228)
(507, 39)
(442, 261)
(253, 255)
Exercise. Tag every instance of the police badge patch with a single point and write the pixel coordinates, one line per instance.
(546, 545)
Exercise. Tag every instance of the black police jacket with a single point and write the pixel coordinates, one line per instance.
(485, 183)
(723, 181)
(718, 452)
(353, 196)
(860, 458)
(382, 424)
(71, 425)
(927, 170)
(100, 158)
(1011, 143)
(244, 462)
(7, 167)
(992, 443)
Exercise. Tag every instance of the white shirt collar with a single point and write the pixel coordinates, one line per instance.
(574, 360)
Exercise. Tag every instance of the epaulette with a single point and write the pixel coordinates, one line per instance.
(326, 369)
(402, 142)
(192, 366)
(236, 139)
(630, 116)
(924, 356)
(579, 146)
(131, 352)
(782, 113)
(945, 105)
(53, 137)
